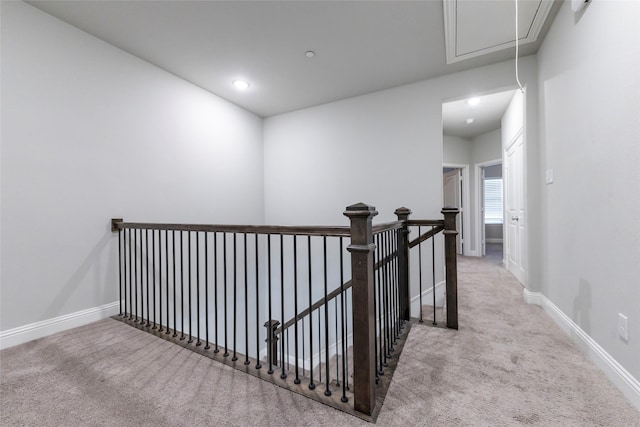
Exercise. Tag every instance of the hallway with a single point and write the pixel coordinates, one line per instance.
(507, 365)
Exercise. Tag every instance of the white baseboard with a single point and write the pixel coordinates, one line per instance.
(496, 240)
(619, 376)
(22, 334)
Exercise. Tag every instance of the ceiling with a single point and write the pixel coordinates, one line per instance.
(359, 46)
(487, 115)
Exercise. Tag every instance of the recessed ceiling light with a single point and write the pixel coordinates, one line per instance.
(240, 84)
(309, 54)
(473, 101)
(469, 120)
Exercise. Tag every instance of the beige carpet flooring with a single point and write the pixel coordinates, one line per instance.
(507, 365)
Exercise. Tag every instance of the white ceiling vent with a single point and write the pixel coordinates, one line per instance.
(476, 27)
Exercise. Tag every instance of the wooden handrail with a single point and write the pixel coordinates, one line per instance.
(386, 226)
(434, 222)
(425, 236)
(330, 231)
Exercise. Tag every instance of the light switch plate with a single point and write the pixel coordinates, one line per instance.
(549, 176)
(623, 330)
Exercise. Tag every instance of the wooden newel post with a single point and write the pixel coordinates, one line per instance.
(403, 263)
(362, 277)
(272, 342)
(451, 265)
(115, 224)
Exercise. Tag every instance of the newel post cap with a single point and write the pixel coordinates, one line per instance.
(450, 209)
(360, 210)
(403, 211)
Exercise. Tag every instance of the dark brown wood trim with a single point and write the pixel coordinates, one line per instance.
(336, 231)
(425, 236)
(451, 265)
(434, 222)
(386, 226)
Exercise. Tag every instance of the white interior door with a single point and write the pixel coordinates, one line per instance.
(514, 207)
(452, 191)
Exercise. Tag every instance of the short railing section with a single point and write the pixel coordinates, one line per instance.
(321, 311)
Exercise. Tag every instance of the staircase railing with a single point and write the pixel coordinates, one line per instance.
(225, 291)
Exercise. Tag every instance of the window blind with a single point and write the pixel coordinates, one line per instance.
(493, 210)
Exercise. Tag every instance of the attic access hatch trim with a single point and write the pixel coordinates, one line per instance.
(533, 27)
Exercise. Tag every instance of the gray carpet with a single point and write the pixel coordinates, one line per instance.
(507, 365)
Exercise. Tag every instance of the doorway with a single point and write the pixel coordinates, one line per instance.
(491, 209)
(476, 133)
(455, 193)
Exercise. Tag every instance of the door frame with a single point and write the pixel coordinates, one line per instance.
(479, 202)
(465, 233)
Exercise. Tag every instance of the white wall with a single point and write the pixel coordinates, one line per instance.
(383, 148)
(590, 133)
(90, 132)
(486, 147)
(456, 150)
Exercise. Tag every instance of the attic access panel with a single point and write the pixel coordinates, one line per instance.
(478, 27)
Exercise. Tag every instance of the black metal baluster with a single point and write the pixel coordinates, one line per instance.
(160, 324)
(319, 347)
(387, 304)
(120, 269)
(295, 306)
(198, 342)
(337, 353)
(394, 266)
(166, 252)
(343, 325)
(283, 374)
(181, 287)
(146, 246)
(420, 272)
(235, 297)
(135, 273)
(175, 321)
(142, 273)
(153, 275)
(394, 293)
(189, 284)
(246, 304)
(327, 391)
(258, 365)
(433, 275)
(401, 321)
(215, 290)
(127, 272)
(376, 310)
(311, 383)
(224, 269)
(206, 290)
(347, 304)
(269, 332)
(132, 274)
